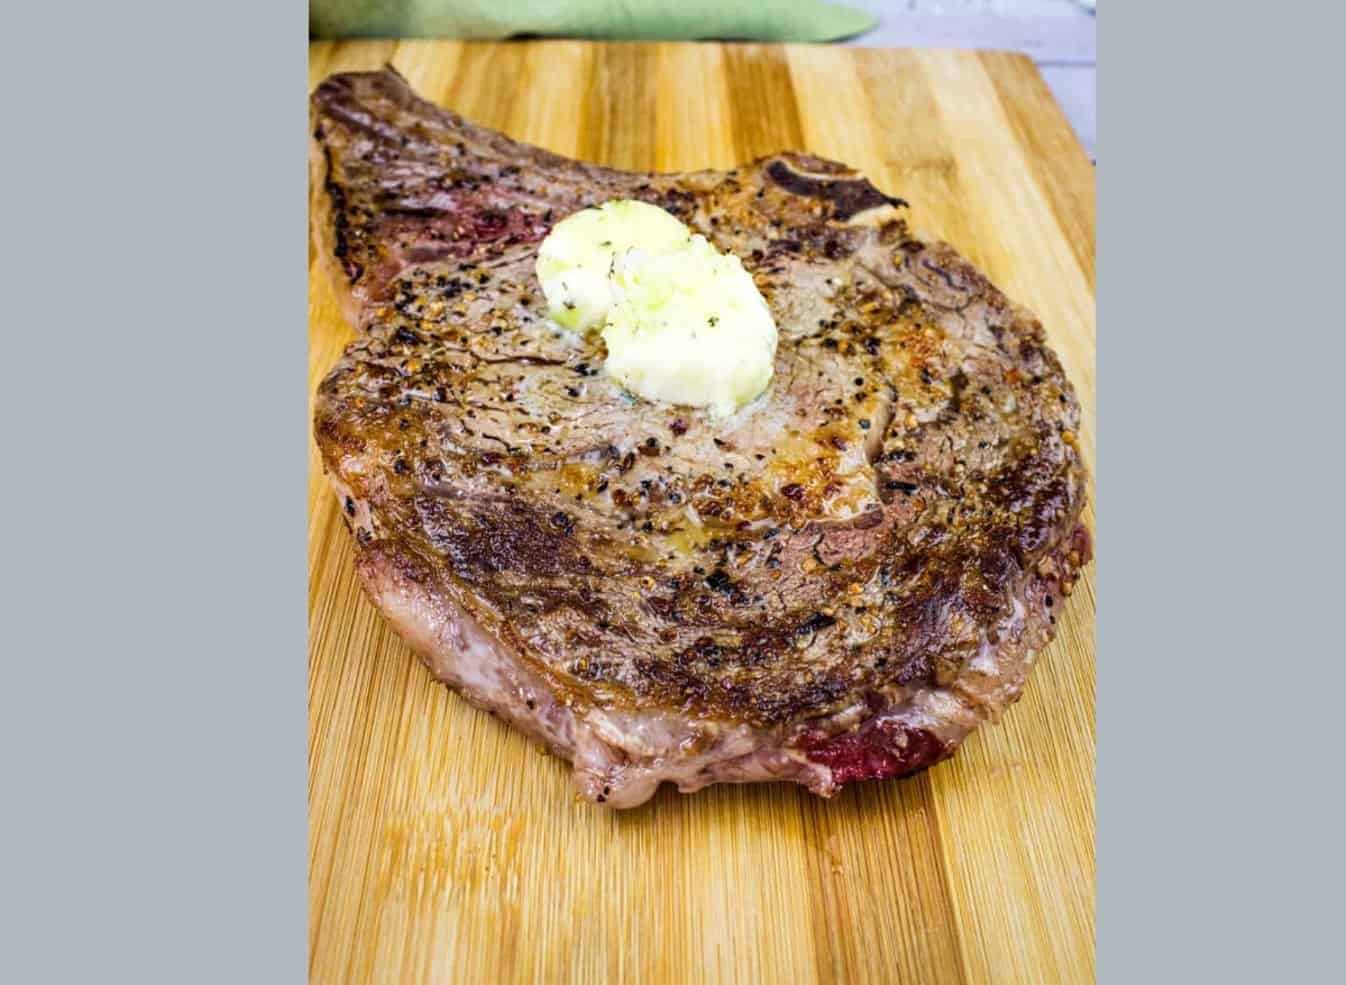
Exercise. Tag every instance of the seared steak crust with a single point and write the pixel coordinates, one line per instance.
(837, 583)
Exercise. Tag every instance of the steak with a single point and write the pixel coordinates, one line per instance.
(837, 583)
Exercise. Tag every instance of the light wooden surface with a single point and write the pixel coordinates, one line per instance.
(1059, 35)
(446, 848)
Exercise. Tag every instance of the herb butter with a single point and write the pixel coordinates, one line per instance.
(683, 323)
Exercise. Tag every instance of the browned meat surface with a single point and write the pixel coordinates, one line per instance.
(840, 582)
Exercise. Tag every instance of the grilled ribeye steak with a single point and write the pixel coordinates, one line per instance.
(838, 583)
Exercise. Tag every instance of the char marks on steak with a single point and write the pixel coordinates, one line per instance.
(838, 583)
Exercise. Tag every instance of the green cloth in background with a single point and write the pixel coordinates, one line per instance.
(664, 20)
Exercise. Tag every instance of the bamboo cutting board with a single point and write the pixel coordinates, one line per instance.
(446, 848)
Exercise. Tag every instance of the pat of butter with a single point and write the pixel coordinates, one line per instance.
(576, 262)
(683, 323)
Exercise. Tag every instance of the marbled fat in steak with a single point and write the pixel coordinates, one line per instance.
(838, 583)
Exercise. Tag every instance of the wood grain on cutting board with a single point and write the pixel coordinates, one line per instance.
(445, 847)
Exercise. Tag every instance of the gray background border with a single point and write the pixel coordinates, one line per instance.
(1220, 359)
(152, 709)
